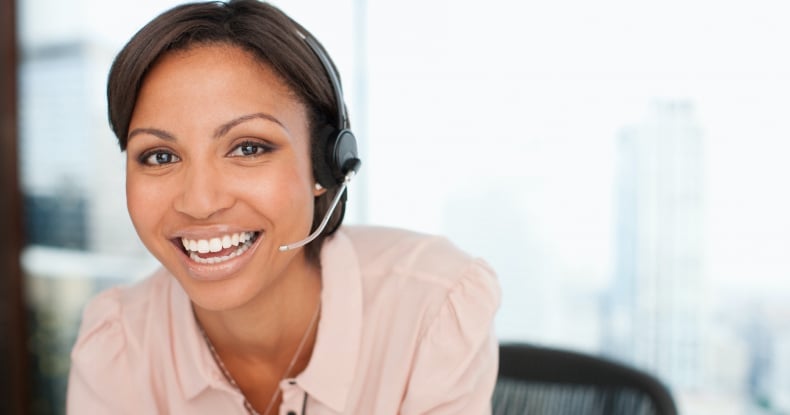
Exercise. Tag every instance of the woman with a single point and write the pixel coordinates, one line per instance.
(234, 127)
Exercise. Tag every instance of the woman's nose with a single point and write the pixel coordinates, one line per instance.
(204, 192)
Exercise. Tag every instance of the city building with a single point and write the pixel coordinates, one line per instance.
(654, 310)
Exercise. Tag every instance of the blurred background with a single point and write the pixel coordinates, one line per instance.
(621, 164)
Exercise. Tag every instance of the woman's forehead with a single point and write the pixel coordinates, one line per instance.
(217, 78)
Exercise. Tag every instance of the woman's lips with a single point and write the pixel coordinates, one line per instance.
(217, 257)
(220, 248)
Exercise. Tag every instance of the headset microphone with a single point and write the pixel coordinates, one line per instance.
(340, 193)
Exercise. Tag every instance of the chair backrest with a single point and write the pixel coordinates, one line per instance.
(541, 381)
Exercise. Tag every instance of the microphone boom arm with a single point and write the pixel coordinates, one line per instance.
(325, 221)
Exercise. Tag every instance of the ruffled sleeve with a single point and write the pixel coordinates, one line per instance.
(99, 379)
(456, 363)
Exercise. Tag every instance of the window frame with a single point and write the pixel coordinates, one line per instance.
(14, 388)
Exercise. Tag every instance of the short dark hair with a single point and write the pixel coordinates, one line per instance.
(256, 27)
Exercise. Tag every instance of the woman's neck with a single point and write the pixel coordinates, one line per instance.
(267, 329)
(267, 340)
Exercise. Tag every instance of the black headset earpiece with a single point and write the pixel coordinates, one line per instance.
(337, 153)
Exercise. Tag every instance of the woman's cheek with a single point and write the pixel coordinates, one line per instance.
(145, 201)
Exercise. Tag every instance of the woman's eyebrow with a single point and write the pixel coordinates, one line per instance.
(224, 128)
(219, 132)
(164, 135)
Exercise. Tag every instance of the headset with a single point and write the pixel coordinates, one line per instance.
(337, 155)
(336, 160)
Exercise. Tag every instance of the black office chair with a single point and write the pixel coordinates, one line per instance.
(543, 381)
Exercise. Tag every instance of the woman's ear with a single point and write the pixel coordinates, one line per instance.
(319, 190)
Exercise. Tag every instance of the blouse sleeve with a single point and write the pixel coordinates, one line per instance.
(456, 364)
(99, 380)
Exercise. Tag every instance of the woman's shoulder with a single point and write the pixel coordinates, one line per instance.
(115, 320)
(404, 247)
(123, 336)
(428, 271)
(123, 303)
(423, 257)
(429, 308)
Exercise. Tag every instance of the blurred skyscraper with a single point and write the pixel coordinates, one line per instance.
(655, 311)
(71, 168)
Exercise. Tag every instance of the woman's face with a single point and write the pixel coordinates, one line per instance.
(218, 174)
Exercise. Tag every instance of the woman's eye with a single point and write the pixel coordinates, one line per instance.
(249, 149)
(158, 158)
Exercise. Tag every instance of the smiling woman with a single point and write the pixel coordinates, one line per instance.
(202, 167)
(237, 145)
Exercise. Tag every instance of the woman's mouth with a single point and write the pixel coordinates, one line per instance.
(218, 249)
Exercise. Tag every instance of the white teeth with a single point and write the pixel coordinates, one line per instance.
(203, 246)
(215, 260)
(216, 244)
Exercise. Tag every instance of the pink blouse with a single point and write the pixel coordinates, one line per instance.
(406, 328)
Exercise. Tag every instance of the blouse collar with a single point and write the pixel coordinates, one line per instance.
(330, 373)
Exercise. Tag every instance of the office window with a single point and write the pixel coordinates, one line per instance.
(620, 165)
